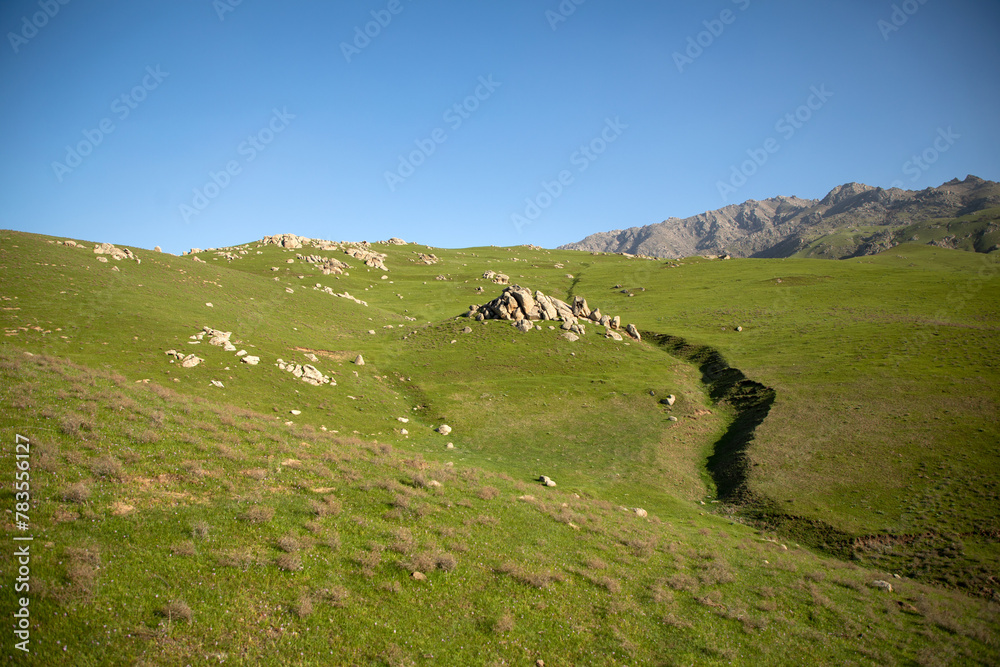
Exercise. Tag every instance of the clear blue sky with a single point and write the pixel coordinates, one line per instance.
(183, 85)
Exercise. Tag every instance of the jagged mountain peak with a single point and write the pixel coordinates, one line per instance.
(844, 192)
(780, 226)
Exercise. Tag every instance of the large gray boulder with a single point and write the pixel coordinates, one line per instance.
(547, 310)
(524, 299)
(191, 361)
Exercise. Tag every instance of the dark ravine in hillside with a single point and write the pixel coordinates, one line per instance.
(781, 226)
(751, 401)
(730, 467)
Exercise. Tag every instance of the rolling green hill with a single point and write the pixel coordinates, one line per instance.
(835, 425)
(976, 232)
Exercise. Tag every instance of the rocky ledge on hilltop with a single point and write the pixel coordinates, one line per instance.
(522, 308)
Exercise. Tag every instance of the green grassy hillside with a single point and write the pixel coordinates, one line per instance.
(976, 232)
(178, 521)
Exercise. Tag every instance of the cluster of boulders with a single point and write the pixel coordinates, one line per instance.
(328, 265)
(187, 360)
(361, 251)
(307, 373)
(290, 241)
(294, 241)
(217, 338)
(428, 259)
(517, 305)
(230, 256)
(375, 260)
(342, 295)
(498, 278)
(114, 253)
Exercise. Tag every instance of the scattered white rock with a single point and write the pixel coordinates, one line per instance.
(403, 419)
(359, 360)
(546, 481)
(444, 429)
(209, 304)
(640, 512)
(218, 384)
(883, 585)
(296, 412)
(190, 361)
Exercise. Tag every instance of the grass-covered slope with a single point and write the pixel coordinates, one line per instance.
(886, 373)
(975, 232)
(221, 535)
(862, 419)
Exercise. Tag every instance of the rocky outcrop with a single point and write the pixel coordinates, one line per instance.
(220, 339)
(290, 241)
(307, 373)
(522, 308)
(328, 266)
(375, 260)
(114, 253)
(342, 295)
(187, 360)
(498, 278)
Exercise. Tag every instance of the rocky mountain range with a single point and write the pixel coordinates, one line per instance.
(783, 226)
